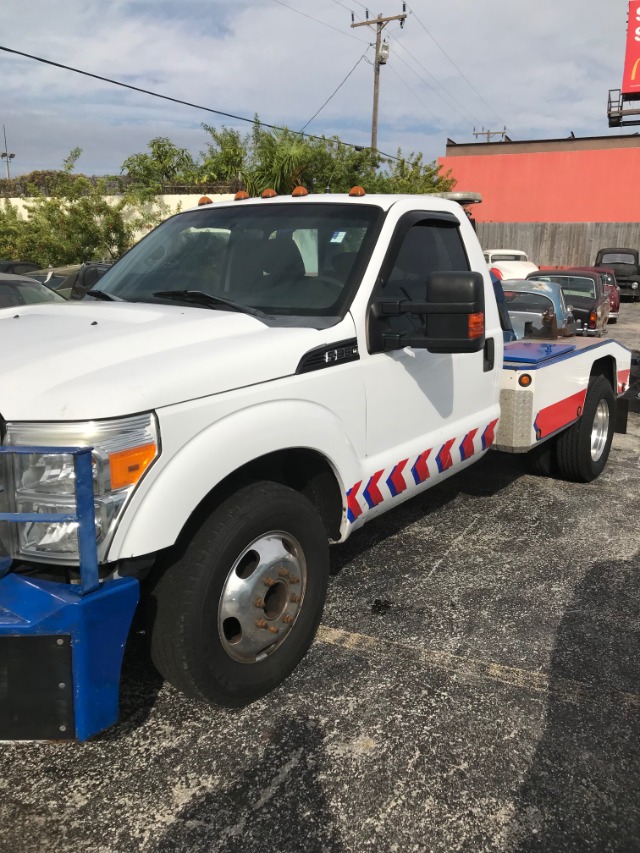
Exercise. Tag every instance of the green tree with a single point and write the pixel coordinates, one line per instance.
(73, 223)
(165, 163)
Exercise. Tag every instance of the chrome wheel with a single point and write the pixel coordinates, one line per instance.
(599, 430)
(262, 597)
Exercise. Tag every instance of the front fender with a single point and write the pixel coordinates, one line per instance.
(186, 472)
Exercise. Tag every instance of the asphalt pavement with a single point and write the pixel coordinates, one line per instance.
(475, 686)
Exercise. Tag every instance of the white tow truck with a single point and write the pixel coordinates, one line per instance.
(253, 381)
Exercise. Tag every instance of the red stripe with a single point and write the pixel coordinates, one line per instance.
(559, 414)
(623, 380)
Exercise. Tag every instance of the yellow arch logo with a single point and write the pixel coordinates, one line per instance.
(635, 69)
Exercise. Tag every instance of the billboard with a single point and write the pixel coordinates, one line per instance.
(631, 76)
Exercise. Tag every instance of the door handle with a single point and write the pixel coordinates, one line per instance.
(489, 355)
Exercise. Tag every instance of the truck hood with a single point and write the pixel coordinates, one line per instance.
(101, 360)
(514, 269)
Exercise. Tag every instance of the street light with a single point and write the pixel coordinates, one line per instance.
(5, 154)
(7, 157)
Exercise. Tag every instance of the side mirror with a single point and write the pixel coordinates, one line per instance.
(452, 316)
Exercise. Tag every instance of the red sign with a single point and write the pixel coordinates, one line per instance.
(631, 77)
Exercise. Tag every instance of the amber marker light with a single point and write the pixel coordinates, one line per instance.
(241, 195)
(300, 191)
(592, 320)
(476, 324)
(204, 200)
(525, 380)
(127, 466)
(358, 192)
(268, 193)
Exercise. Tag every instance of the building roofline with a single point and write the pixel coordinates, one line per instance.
(571, 143)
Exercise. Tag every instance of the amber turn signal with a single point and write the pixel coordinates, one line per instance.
(127, 466)
(525, 380)
(476, 325)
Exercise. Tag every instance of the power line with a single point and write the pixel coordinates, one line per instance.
(453, 100)
(317, 21)
(462, 74)
(420, 101)
(334, 93)
(169, 98)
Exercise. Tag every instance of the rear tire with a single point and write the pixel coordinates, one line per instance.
(583, 448)
(238, 607)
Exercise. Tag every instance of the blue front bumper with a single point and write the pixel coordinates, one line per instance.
(61, 645)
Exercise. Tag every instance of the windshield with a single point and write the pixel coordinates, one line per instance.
(508, 256)
(14, 293)
(286, 260)
(618, 258)
(572, 285)
(534, 303)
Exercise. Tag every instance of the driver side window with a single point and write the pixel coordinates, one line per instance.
(429, 246)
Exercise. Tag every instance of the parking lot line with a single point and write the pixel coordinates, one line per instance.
(562, 689)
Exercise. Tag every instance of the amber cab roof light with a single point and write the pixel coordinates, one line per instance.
(269, 193)
(241, 195)
(357, 191)
(204, 200)
(300, 191)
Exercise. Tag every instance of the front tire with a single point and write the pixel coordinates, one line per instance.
(583, 449)
(239, 606)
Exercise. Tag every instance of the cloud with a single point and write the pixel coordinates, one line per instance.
(541, 75)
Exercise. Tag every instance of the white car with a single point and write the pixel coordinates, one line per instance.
(509, 263)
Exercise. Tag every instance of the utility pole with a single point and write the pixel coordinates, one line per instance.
(381, 57)
(490, 133)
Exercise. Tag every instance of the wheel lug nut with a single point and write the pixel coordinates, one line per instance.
(259, 602)
(261, 623)
(295, 598)
(273, 629)
(283, 573)
(268, 582)
(287, 619)
(293, 579)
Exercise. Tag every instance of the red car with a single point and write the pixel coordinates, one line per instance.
(610, 286)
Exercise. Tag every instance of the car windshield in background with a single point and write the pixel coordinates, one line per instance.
(572, 285)
(25, 292)
(282, 259)
(529, 302)
(618, 258)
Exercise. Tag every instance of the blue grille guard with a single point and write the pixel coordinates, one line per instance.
(84, 514)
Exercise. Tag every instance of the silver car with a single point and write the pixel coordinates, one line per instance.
(538, 309)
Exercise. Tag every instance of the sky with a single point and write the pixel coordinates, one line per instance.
(541, 69)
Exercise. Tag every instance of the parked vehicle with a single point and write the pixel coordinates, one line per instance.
(222, 418)
(19, 290)
(72, 281)
(537, 309)
(509, 263)
(626, 265)
(610, 286)
(584, 293)
(17, 267)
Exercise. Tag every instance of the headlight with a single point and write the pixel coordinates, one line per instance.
(123, 450)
